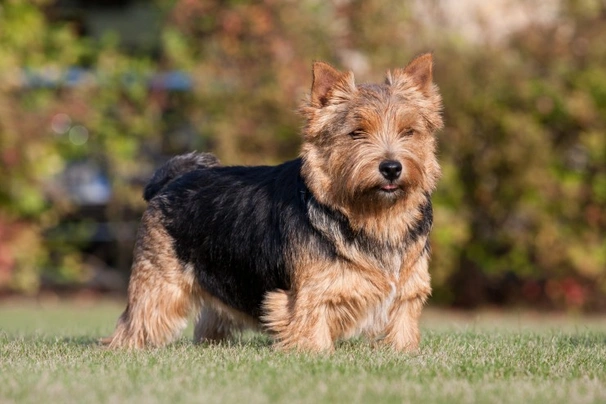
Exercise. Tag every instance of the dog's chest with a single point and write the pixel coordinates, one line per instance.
(389, 262)
(375, 317)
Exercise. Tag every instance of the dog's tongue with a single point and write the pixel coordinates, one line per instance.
(389, 187)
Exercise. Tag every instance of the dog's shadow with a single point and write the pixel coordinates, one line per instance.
(248, 339)
(82, 341)
(589, 340)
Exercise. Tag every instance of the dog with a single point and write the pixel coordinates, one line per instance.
(331, 245)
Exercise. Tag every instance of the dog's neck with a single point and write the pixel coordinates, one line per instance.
(391, 228)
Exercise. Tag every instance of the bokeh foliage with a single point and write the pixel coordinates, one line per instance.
(520, 211)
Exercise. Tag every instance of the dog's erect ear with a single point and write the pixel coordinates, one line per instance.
(329, 83)
(419, 71)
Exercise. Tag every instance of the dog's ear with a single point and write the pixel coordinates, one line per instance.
(419, 72)
(329, 84)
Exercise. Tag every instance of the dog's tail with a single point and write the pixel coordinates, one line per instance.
(176, 167)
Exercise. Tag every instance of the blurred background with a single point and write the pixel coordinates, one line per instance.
(96, 93)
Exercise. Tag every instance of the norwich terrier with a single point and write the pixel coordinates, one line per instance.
(328, 246)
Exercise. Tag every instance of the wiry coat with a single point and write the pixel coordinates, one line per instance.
(323, 247)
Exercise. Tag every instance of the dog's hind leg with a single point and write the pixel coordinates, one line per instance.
(161, 292)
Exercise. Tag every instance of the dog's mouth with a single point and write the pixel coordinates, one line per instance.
(390, 188)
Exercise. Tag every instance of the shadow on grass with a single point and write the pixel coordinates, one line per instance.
(81, 341)
(50, 340)
(254, 341)
(248, 339)
(585, 340)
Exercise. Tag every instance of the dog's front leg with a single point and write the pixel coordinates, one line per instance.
(298, 321)
(325, 304)
(402, 331)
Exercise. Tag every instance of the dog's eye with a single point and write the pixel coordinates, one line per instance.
(407, 132)
(357, 134)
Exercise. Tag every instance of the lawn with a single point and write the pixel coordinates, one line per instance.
(48, 354)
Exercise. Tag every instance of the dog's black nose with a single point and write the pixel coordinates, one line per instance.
(390, 169)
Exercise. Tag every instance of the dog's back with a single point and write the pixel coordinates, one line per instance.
(176, 167)
(234, 227)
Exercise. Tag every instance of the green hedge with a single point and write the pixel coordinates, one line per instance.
(520, 211)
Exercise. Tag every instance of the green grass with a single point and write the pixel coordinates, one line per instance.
(48, 354)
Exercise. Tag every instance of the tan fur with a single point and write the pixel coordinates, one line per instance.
(162, 294)
(376, 292)
(380, 297)
(347, 300)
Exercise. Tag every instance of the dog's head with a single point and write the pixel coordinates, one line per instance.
(370, 146)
